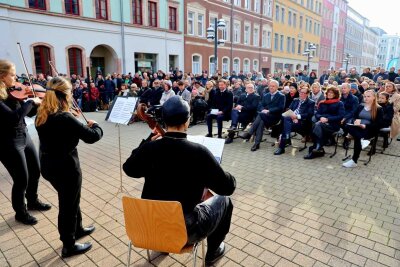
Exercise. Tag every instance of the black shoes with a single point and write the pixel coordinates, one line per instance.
(209, 135)
(76, 249)
(245, 135)
(315, 153)
(228, 140)
(255, 147)
(38, 205)
(25, 218)
(216, 255)
(84, 232)
(279, 151)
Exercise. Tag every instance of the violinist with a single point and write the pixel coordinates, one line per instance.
(18, 154)
(211, 218)
(59, 134)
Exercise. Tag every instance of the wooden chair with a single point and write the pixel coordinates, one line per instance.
(158, 226)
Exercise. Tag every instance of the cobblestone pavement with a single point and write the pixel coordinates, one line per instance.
(288, 211)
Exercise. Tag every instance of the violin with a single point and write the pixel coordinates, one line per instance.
(23, 92)
(141, 112)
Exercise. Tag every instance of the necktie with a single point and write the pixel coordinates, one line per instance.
(297, 111)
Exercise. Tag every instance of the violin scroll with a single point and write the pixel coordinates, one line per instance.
(142, 113)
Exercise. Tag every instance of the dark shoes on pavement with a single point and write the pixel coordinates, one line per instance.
(38, 205)
(75, 249)
(84, 232)
(212, 257)
(209, 135)
(313, 153)
(228, 140)
(279, 151)
(245, 135)
(25, 218)
(255, 147)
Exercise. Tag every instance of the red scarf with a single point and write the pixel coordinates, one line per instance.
(329, 101)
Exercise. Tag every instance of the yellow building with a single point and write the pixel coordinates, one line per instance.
(296, 27)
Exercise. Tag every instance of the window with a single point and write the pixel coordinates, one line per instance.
(315, 28)
(226, 31)
(293, 46)
(283, 15)
(288, 44)
(267, 7)
(225, 65)
(236, 65)
(247, 4)
(196, 69)
(299, 48)
(200, 25)
(281, 43)
(190, 26)
(211, 68)
(294, 20)
(72, 7)
(301, 22)
(236, 33)
(101, 9)
(290, 18)
(276, 41)
(269, 39)
(256, 37)
(172, 19)
(237, 3)
(306, 24)
(152, 7)
(257, 6)
(42, 58)
(277, 13)
(137, 11)
(246, 34)
(255, 65)
(37, 4)
(75, 61)
(264, 39)
(246, 66)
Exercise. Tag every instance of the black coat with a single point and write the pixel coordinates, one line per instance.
(350, 105)
(306, 109)
(334, 112)
(275, 106)
(156, 161)
(375, 125)
(223, 102)
(249, 105)
(388, 113)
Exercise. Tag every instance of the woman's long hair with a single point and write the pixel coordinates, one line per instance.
(5, 68)
(374, 105)
(57, 99)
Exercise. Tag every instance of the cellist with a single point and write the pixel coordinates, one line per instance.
(18, 154)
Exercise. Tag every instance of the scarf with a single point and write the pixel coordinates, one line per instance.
(329, 101)
(316, 97)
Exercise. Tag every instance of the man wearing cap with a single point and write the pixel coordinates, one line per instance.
(153, 160)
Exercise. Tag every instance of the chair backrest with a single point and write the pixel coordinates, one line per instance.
(155, 225)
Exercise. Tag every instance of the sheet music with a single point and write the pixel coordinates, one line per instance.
(122, 110)
(288, 113)
(214, 145)
(214, 111)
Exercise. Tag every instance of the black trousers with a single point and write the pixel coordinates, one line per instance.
(69, 215)
(211, 219)
(321, 132)
(357, 133)
(20, 158)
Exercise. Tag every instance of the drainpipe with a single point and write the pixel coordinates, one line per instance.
(122, 37)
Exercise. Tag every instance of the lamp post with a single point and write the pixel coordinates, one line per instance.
(347, 59)
(212, 35)
(308, 52)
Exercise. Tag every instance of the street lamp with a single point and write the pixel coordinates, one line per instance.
(347, 59)
(212, 35)
(308, 52)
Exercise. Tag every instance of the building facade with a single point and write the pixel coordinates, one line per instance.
(389, 51)
(370, 46)
(354, 39)
(296, 25)
(334, 14)
(247, 35)
(74, 34)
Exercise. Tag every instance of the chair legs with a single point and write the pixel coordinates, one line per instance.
(202, 252)
(336, 145)
(129, 254)
(148, 255)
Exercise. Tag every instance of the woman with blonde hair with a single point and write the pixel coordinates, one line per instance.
(59, 134)
(18, 154)
(394, 99)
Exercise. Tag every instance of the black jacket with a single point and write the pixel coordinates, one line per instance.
(156, 95)
(275, 106)
(223, 102)
(12, 114)
(350, 105)
(388, 113)
(249, 105)
(375, 125)
(334, 112)
(306, 109)
(156, 161)
(59, 137)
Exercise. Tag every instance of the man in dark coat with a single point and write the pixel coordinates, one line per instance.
(152, 160)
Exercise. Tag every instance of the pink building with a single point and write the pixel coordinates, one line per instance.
(334, 14)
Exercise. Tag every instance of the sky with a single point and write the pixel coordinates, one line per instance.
(382, 13)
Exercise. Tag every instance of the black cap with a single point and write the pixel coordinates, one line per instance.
(175, 111)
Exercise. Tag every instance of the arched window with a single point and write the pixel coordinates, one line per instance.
(211, 66)
(196, 64)
(225, 65)
(42, 58)
(37, 4)
(101, 9)
(236, 65)
(72, 7)
(255, 65)
(75, 61)
(246, 66)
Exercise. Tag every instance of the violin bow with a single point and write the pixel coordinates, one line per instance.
(74, 104)
(26, 69)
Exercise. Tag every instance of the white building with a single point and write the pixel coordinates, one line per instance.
(389, 51)
(74, 34)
